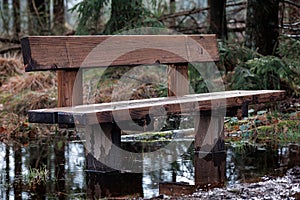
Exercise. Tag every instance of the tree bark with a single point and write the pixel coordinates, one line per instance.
(217, 18)
(172, 11)
(40, 17)
(59, 16)
(262, 26)
(17, 19)
(5, 16)
(123, 14)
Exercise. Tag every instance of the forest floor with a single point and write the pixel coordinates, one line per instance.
(285, 187)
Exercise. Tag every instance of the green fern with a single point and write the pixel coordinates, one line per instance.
(89, 13)
(262, 73)
(129, 14)
(232, 54)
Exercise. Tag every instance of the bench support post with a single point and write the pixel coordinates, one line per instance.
(97, 145)
(210, 156)
(178, 84)
(210, 170)
(67, 80)
(209, 133)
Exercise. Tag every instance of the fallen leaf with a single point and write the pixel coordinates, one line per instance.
(2, 130)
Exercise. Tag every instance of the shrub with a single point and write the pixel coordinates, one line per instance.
(267, 72)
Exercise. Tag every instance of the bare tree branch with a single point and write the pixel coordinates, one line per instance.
(8, 40)
(194, 11)
(182, 13)
(9, 49)
(291, 3)
(37, 13)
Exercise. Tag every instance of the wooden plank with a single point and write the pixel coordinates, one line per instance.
(65, 52)
(100, 113)
(43, 116)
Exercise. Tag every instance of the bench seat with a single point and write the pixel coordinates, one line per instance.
(138, 109)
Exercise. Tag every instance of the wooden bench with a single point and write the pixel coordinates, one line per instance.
(67, 56)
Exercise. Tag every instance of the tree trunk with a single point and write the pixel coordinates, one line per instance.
(5, 16)
(18, 171)
(40, 17)
(172, 11)
(17, 21)
(59, 16)
(217, 18)
(262, 26)
(124, 14)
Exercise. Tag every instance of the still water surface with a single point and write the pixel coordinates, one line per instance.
(67, 177)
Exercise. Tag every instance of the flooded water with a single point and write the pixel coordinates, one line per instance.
(62, 173)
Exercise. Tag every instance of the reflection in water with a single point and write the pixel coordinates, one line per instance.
(114, 184)
(63, 160)
(68, 178)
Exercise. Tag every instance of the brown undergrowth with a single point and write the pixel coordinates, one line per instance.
(126, 84)
(19, 92)
(9, 67)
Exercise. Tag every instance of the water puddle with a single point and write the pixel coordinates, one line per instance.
(55, 168)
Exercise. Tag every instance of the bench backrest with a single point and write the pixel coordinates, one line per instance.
(68, 54)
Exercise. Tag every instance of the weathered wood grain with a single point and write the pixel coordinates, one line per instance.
(69, 86)
(210, 170)
(138, 109)
(100, 144)
(208, 133)
(65, 52)
(178, 80)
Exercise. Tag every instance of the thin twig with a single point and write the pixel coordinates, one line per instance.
(37, 13)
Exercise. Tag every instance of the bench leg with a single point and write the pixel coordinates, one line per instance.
(210, 156)
(114, 185)
(178, 85)
(210, 170)
(100, 145)
(69, 90)
(66, 81)
(209, 133)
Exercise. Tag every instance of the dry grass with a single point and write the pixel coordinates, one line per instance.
(134, 83)
(21, 91)
(23, 102)
(37, 81)
(9, 67)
